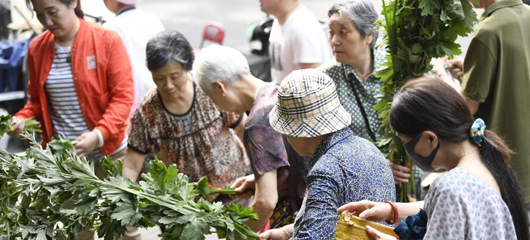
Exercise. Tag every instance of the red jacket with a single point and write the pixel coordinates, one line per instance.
(105, 87)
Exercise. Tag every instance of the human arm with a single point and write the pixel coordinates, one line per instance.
(479, 74)
(283, 233)
(317, 218)
(308, 65)
(441, 67)
(456, 67)
(119, 89)
(473, 105)
(265, 196)
(378, 211)
(265, 199)
(132, 164)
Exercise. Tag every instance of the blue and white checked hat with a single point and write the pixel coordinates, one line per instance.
(308, 106)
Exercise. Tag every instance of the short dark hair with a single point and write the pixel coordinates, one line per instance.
(78, 11)
(166, 46)
(429, 104)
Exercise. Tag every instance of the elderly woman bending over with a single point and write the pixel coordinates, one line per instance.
(279, 172)
(179, 123)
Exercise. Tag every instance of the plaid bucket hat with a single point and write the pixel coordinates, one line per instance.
(308, 106)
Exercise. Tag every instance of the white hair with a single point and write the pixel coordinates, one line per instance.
(219, 63)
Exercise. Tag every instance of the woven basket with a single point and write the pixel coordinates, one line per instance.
(351, 227)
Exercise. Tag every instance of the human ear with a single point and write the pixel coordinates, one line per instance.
(432, 139)
(369, 38)
(219, 87)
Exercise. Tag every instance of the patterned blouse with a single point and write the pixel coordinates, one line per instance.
(200, 141)
(368, 91)
(459, 206)
(345, 168)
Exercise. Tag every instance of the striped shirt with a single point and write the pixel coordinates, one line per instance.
(65, 111)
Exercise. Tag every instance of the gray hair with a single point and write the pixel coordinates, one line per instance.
(362, 14)
(219, 63)
(166, 46)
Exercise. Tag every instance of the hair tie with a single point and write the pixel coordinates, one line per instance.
(477, 131)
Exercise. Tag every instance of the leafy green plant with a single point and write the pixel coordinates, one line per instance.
(53, 194)
(30, 124)
(415, 31)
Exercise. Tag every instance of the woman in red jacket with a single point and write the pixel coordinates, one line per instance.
(80, 81)
(80, 84)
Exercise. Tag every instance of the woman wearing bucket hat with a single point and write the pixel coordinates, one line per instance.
(135, 28)
(478, 198)
(343, 166)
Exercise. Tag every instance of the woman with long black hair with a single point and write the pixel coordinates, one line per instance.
(478, 198)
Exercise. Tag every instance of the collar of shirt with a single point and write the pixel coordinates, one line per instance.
(379, 59)
(498, 5)
(331, 140)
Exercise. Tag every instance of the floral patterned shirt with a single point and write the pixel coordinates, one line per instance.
(200, 142)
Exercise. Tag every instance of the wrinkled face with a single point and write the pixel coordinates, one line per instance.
(170, 80)
(229, 102)
(55, 16)
(269, 6)
(346, 40)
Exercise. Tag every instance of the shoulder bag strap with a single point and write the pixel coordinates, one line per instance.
(350, 80)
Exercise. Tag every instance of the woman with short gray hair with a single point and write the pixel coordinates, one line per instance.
(352, 36)
(180, 124)
(278, 175)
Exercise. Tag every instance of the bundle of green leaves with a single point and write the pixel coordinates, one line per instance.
(30, 124)
(53, 194)
(415, 31)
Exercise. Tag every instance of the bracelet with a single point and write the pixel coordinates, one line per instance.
(287, 235)
(395, 211)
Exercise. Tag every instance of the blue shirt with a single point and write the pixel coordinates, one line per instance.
(345, 168)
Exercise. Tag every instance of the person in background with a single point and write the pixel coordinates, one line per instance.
(496, 77)
(135, 28)
(180, 124)
(478, 198)
(352, 36)
(279, 172)
(80, 84)
(344, 167)
(297, 40)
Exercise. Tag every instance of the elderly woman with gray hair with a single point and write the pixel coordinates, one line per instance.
(352, 37)
(278, 177)
(180, 124)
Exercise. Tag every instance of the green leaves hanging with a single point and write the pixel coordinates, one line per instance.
(415, 32)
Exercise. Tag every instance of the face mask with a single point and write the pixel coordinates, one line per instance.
(425, 163)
